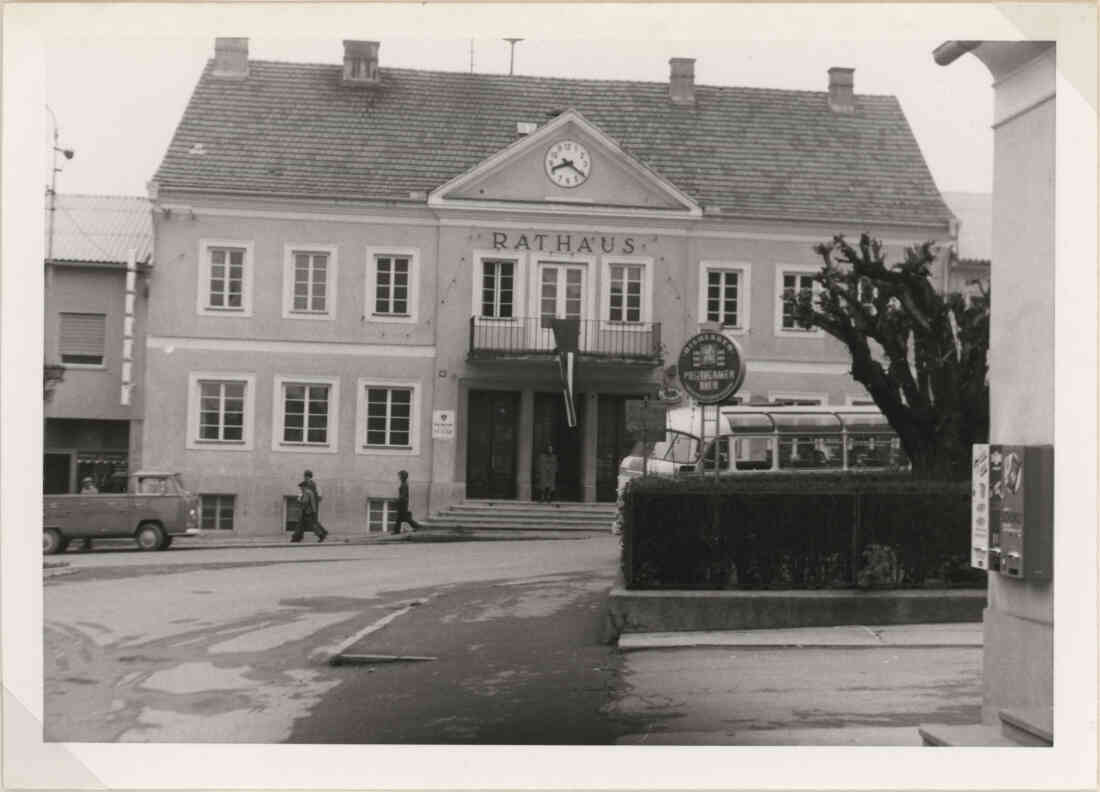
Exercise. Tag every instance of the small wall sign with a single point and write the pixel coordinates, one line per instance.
(443, 424)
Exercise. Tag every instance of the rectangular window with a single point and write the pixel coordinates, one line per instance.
(626, 293)
(226, 284)
(310, 293)
(391, 293)
(82, 338)
(497, 288)
(381, 515)
(722, 297)
(305, 414)
(217, 512)
(794, 283)
(389, 417)
(221, 411)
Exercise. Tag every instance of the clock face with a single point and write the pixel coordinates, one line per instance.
(568, 164)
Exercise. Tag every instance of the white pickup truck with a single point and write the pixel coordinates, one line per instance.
(155, 509)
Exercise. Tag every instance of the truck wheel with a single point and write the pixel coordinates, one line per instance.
(150, 536)
(52, 542)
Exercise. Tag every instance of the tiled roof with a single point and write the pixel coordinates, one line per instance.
(100, 228)
(295, 129)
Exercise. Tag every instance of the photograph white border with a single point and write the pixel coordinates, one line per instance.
(1069, 764)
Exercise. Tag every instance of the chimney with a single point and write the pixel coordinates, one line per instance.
(681, 81)
(360, 62)
(841, 96)
(231, 57)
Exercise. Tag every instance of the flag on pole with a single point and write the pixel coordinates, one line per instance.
(566, 332)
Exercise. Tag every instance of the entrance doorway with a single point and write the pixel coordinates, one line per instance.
(491, 441)
(552, 427)
(623, 421)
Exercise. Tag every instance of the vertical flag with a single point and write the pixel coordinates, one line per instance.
(566, 332)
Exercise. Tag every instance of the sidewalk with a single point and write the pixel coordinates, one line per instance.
(212, 539)
(850, 685)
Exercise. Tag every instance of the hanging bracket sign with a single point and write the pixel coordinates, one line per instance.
(711, 367)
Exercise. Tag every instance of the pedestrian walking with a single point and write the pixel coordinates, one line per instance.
(309, 500)
(546, 474)
(403, 513)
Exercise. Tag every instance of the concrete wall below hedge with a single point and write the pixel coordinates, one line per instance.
(679, 611)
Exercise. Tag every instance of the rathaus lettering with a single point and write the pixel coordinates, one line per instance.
(562, 243)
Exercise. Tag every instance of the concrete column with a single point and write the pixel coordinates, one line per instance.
(588, 454)
(526, 441)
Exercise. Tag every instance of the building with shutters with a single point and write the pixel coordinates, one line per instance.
(360, 266)
(99, 252)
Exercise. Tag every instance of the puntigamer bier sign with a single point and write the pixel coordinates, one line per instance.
(711, 367)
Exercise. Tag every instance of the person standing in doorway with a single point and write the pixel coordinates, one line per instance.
(403, 513)
(308, 507)
(546, 474)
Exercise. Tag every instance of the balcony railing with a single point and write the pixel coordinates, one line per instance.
(523, 336)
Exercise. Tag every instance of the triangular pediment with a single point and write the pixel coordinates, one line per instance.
(569, 162)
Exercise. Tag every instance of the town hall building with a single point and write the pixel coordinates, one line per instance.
(358, 269)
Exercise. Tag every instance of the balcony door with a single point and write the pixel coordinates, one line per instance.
(562, 292)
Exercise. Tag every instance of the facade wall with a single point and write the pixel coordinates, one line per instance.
(93, 392)
(88, 431)
(1019, 621)
(429, 352)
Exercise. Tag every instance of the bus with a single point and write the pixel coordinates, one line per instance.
(770, 439)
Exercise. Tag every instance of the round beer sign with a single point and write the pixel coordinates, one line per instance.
(711, 367)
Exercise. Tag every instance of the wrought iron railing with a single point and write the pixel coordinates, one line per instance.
(491, 338)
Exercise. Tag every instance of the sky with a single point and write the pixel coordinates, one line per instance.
(117, 99)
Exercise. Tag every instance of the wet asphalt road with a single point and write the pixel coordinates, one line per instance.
(221, 645)
(521, 663)
(230, 645)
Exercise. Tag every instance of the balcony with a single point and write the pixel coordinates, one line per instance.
(531, 337)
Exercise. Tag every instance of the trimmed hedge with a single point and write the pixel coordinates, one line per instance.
(821, 530)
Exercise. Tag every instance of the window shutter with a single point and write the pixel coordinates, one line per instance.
(83, 334)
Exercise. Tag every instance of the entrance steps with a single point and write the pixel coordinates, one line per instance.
(511, 515)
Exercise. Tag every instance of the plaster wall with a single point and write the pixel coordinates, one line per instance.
(94, 392)
(1019, 621)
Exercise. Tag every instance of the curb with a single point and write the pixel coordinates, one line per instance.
(964, 635)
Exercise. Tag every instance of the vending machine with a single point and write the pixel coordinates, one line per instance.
(1012, 510)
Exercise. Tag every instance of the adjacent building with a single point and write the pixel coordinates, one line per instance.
(969, 267)
(358, 269)
(99, 252)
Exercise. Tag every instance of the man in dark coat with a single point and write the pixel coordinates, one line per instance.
(403, 513)
(309, 500)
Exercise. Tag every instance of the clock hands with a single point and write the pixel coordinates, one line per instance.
(567, 164)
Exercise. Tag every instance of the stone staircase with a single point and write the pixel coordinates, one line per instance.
(510, 515)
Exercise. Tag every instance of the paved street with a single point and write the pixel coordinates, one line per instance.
(230, 645)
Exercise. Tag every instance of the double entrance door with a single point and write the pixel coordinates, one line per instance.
(492, 444)
(492, 438)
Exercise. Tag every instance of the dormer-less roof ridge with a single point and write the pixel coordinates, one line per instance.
(336, 69)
